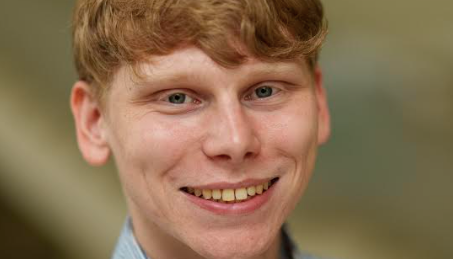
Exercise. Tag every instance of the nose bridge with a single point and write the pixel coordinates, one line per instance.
(231, 134)
(238, 130)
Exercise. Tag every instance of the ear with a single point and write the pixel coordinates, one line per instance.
(89, 122)
(323, 108)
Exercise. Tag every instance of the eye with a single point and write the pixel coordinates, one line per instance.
(262, 92)
(179, 98)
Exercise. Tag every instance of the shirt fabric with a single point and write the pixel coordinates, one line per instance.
(128, 247)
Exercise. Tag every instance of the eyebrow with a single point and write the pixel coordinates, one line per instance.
(272, 70)
(154, 80)
(181, 77)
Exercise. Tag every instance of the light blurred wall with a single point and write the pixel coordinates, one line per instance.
(382, 185)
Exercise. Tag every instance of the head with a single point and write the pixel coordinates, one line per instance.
(202, 95)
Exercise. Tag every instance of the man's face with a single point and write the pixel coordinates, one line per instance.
(192, 124)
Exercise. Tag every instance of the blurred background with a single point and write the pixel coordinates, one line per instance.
(382, 186)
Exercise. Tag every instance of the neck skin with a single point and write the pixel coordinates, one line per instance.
(159, 245)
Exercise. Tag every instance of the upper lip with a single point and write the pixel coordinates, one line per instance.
(228, 185)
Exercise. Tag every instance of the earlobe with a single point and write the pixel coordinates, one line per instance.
(323, 108)
(89, 122)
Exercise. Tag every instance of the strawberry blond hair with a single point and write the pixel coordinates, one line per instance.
(108, 34)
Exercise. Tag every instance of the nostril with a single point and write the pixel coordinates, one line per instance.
(249, 155)
(224, 157)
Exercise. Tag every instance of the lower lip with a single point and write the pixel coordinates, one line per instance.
(241, 208)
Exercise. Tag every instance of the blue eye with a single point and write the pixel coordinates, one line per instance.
(177, 98)
(264, 91)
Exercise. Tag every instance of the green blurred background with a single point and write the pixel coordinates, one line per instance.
(382, 187)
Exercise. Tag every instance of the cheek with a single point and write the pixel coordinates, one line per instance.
(154, 145)
(291, 131)
(292, 134)
(145, 151)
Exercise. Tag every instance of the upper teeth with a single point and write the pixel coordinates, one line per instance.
(230, 195)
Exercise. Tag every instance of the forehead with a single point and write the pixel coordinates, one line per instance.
(192, 63)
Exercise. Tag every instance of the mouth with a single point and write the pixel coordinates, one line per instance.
(231, 195)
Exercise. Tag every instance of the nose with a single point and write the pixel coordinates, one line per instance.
(231, 136)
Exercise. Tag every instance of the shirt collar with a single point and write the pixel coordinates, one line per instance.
(127, 246)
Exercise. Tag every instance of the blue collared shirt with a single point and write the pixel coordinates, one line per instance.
(128, 247)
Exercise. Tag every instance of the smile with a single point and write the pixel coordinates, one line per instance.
(230, 195)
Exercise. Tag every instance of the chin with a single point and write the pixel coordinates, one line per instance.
(235, 243)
